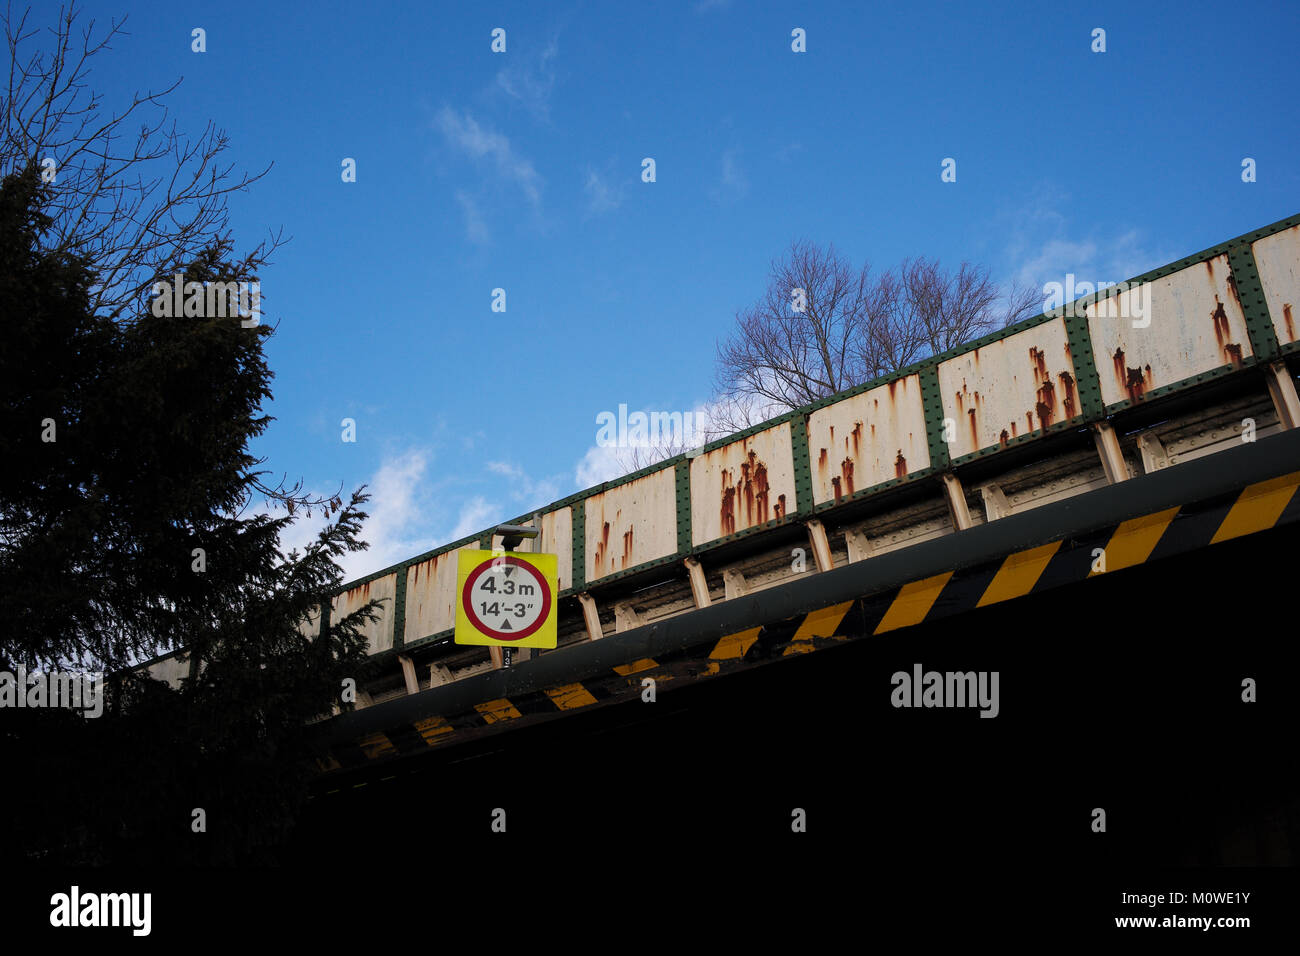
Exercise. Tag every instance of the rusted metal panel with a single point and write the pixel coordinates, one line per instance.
(1009, 388)
(631, 524)
(379, 634)
(171, 670)
(310, 628)
(742, 484)
(1191, 322)
(556, 538)
(1278, 259)
(867, 439)
(431, 595)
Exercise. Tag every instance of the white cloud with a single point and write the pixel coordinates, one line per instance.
(402, 519)
(478, 142)
(600, 464)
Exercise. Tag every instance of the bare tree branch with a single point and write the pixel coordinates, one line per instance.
(135, 202)
(854, 325)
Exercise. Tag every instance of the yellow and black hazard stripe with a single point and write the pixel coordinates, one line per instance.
(1077, 557)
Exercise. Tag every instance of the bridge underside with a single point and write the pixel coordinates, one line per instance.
(1121, 691)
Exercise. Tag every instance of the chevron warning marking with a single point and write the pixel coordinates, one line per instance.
(1018, 574)
(1258, 507)
(1135, 539)
(913, 603)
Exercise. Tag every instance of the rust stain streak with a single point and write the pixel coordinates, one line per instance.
(1067, 386)
(1046, 405)
(760, 490)
(728, 521)
(1231, 350)
(1135, 381)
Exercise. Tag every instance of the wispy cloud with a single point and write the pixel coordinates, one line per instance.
(1043, 244)
(476, 514)
(732, 182)
(524, 490)
(481, 143)
(528, 79)
(601, 196)
(1112, 258)
(788, 151)
(476, 230)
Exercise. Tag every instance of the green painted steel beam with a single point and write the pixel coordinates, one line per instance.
(803, 496)
(932, 409)
(1087, 381)
(683, 492)
(1250, 292)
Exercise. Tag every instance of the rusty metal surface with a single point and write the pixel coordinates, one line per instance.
(379, 634)
(1196, 324)
(1278, 259)
(743, 484)
(556, 538)
(171, 670)
(631, 524)
(310, 628)
(431, 595)
(867, 439)
(1009, 388)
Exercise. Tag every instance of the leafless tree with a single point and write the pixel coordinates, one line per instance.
(137, 201)
(823, 326)
(803, 339)
(923, 310)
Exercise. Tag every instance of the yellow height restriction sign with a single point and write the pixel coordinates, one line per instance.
(506, 598)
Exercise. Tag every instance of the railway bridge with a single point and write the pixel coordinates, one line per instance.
(1098, 505)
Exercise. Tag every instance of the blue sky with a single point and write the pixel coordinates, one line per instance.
(522, 171)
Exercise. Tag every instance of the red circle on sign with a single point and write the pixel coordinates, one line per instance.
(474, 619)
